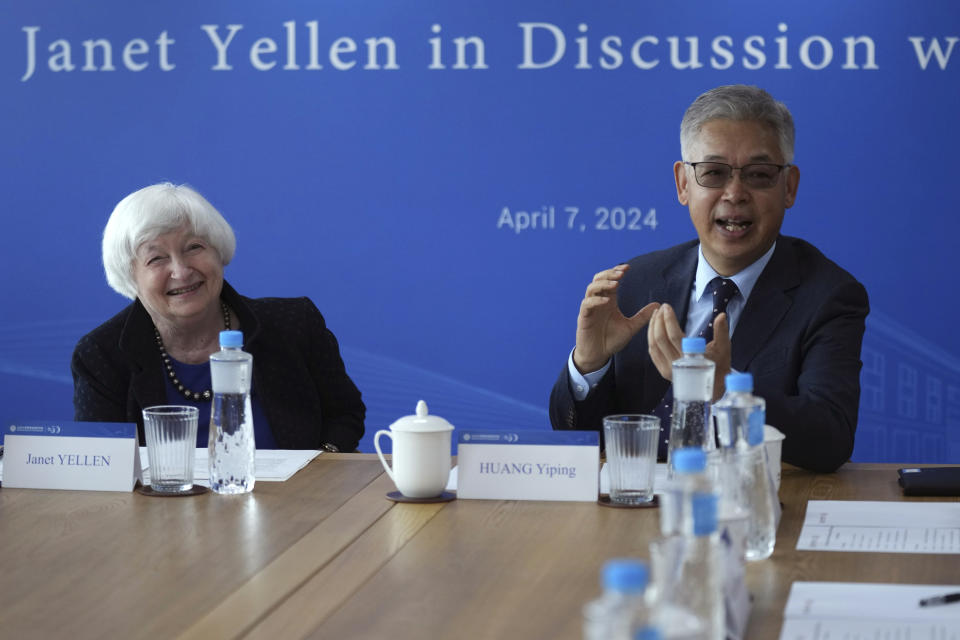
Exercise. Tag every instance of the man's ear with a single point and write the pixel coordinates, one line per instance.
(793, 181)
(680, 176)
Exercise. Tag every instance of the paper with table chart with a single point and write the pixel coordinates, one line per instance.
(860, 611)
(886, 527)
(272, 465)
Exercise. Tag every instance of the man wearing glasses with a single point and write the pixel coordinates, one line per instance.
(788, 315)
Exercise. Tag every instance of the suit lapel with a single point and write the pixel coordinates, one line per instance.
(146, 366)
(673, 289)
(768, 304)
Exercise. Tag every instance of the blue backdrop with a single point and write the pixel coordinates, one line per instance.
(414, 167)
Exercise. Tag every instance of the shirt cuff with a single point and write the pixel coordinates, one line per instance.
(582, 384)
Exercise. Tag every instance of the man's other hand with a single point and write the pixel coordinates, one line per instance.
(602, 330)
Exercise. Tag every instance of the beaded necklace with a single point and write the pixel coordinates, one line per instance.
(196, 396)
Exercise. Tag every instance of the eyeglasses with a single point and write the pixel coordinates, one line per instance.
(716, 175)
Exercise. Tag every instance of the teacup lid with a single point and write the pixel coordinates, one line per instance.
(421, 421)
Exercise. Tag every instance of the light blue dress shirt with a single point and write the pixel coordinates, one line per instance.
(698, 315)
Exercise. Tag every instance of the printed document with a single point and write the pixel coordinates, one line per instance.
(888, 527)
(272, 465)
(831, 610)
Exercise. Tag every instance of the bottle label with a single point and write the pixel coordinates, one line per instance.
(704, 507)
(230, 376)
(755, 429)
(693, 383)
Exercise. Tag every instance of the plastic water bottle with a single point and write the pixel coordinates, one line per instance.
(763, 497)
(699, 582)
(740, 418)
(726, 467)
(728, 464)
(231, 445)
(738, 409)
(690, 425)
(620, 613)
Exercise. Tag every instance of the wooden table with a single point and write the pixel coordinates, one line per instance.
(325, 555)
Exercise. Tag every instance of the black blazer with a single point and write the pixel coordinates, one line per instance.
(799, 335)
(298, 374)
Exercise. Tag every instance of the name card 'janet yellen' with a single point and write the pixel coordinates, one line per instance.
(528, 465)
(93, 456)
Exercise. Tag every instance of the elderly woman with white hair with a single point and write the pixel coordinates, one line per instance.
(165, 247)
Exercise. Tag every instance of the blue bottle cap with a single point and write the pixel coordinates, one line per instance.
(231, 339)
(694, 345)
(739, 382)
(689, 460)
(626, 575)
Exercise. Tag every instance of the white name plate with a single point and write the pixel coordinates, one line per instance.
(91, 456)
(528, 465)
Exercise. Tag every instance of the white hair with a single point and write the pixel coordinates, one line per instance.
(145, 215)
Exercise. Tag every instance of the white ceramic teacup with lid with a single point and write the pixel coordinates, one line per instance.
(421, 453)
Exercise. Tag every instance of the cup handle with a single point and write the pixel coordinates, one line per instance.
(383, 461)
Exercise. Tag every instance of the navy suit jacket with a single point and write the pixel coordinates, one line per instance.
(799, 335)
(298, 374)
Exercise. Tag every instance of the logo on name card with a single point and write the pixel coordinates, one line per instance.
(489, 437)
(22, 428)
